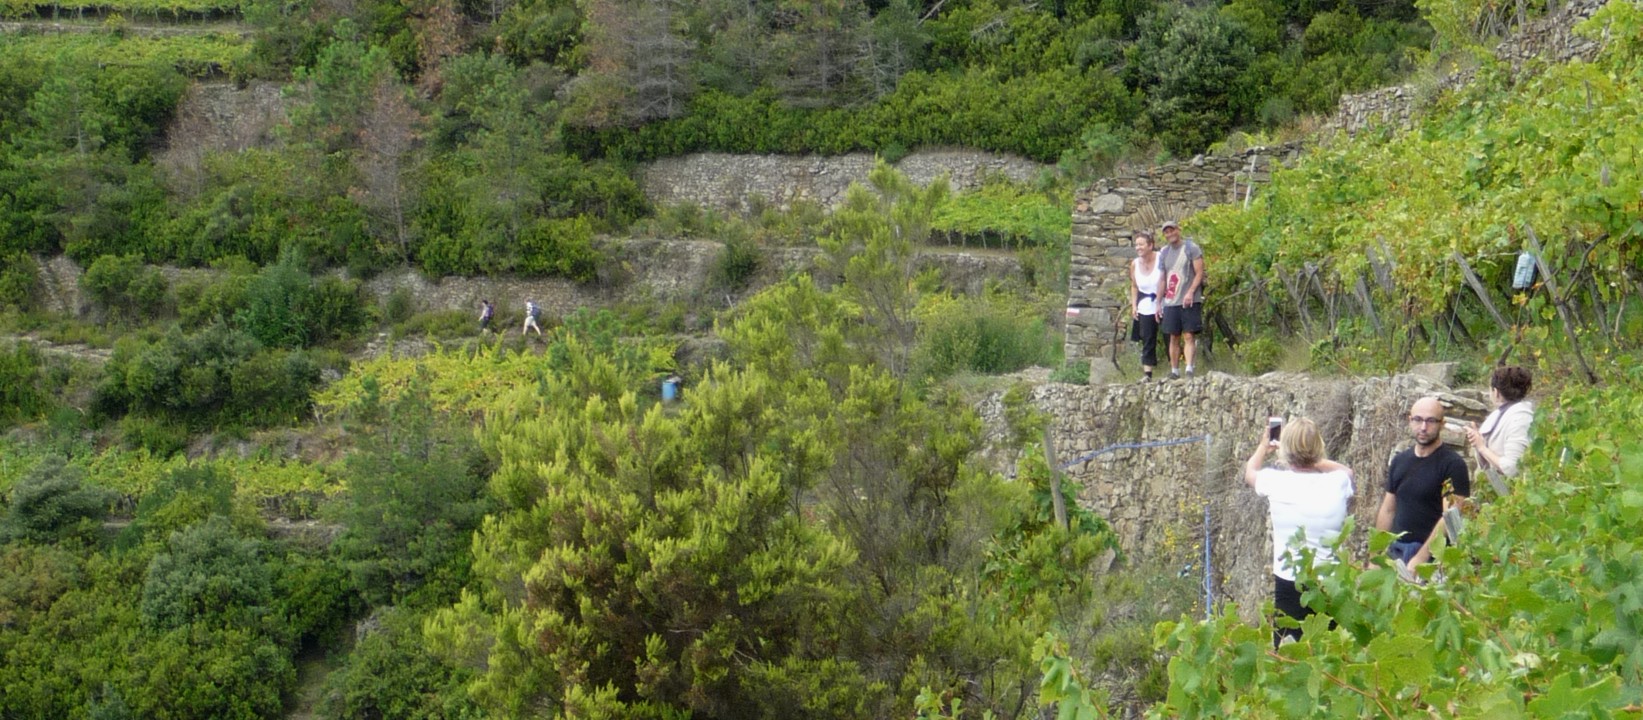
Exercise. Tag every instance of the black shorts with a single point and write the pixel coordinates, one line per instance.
(1179, 319)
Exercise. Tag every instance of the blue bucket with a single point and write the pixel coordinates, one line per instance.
(670, 389)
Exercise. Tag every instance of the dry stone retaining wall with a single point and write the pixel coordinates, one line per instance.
(733, 182)
(1550, 39)
(1155, 498)
(641, 270)
(221, 116)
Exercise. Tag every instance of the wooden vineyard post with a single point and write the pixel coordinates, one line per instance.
(1329, 302)
(1362, 291)
(1382, 262)
(1056, 501)
(1296, 297)
(1473, 282)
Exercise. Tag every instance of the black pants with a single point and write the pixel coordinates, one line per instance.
(1287, 599)
(1147, 335)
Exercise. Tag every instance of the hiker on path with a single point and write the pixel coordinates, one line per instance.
(486, 312)
(1308, 496)
(532, 311)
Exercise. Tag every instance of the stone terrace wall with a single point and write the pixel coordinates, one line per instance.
(646, 270)
(730, 182)
(1107, 216)
(661, 271)
(1550, 38)
(1155, 498)
(218, 116)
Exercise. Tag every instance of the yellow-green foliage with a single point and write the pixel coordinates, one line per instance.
(1562, 154)
(134, 473)
(462, 380)
(171, 8)
(458, 379)
(192, 54)
(1003, 214)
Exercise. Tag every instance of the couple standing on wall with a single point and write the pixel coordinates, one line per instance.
(1166, 293)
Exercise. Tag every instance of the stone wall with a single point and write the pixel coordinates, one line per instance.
(1155, 498)
(731, 182)
(1550, 39)
(666, 271)
(641, 270)
(1108, 214)
(219, 116)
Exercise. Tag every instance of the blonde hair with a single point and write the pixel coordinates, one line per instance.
(1300, 445)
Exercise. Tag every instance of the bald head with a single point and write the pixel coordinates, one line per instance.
(1426, 424)
(1427, 407)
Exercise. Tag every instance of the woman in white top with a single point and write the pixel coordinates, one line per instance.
(1308, 495)
(1144, 272)
(1504, 436)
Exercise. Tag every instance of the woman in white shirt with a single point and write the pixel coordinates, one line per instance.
(1504, 436)
(1308, 495)
(1144, 273)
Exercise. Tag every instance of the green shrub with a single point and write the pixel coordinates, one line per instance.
(209, 574)
(1072, 372)
(980, 336)
(270, 388)
(315, 599)
(202, 303)
(737, 263)
(213, 376)
(23, 390)
(50, 501)
(125, 288)
(400, 305)
(1262, 355)
(416, 495)
(392, 674)
(445, 324)
(157, 435)
(19, 281)
(558, 247)
(185, 496)
(287, 308)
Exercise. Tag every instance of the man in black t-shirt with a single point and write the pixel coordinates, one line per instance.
(1414, 483)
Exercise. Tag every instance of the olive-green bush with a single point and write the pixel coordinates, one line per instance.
(216, 375)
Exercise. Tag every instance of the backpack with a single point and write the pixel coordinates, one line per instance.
(534, 310)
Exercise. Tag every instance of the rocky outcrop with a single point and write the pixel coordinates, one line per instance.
(1156, 498)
